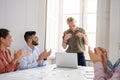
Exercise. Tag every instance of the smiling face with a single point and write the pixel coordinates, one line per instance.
(5, 38)
(6, 41)
(34, 40)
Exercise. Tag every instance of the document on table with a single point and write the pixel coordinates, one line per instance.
(88, 72)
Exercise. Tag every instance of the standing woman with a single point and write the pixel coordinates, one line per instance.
(75, 39)
(7, 64)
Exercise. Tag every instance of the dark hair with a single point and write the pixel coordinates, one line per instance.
(28, 35)
(3, 32)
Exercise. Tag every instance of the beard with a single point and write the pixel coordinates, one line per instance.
(35, 43)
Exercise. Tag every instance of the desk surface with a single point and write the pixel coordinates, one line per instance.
(50, 73)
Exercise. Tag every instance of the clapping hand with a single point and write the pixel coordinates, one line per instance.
(18, 55)
(99, 55)
(95, 57)
(43, 55)
(47, 54)
(104, 57)
(67, 36)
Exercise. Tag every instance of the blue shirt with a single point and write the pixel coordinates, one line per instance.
(30, 61)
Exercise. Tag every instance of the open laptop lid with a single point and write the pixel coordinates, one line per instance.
(68, 60)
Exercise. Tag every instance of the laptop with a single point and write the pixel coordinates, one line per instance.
(66, 60)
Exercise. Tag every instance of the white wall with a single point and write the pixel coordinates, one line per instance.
(102, 32)
(22, 15)
(108, 27)
(114, 38)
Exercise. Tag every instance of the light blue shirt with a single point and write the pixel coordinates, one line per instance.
(30, 61)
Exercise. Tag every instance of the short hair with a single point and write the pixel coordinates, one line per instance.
(70, 19)
(3, 32)
(28, 35)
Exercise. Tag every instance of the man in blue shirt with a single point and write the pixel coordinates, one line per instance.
(36, 57)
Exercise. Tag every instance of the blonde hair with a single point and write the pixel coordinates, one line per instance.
(70, 19)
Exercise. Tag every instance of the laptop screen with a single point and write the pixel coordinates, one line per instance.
(68, 60)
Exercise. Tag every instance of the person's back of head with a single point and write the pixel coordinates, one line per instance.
(29, 35)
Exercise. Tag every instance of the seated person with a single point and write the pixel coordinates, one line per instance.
(7, 64)
(35, 57)
(102, 72)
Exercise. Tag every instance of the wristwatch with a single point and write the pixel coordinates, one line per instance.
(45, 59)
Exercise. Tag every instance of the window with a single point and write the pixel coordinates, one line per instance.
(84, 11)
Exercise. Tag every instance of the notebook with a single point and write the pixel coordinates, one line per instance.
(66, 60)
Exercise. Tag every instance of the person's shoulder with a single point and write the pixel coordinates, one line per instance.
(80, 28)
(26, 47)
(1, 53)
(8, 49)
(36, 47)
(9, 52)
